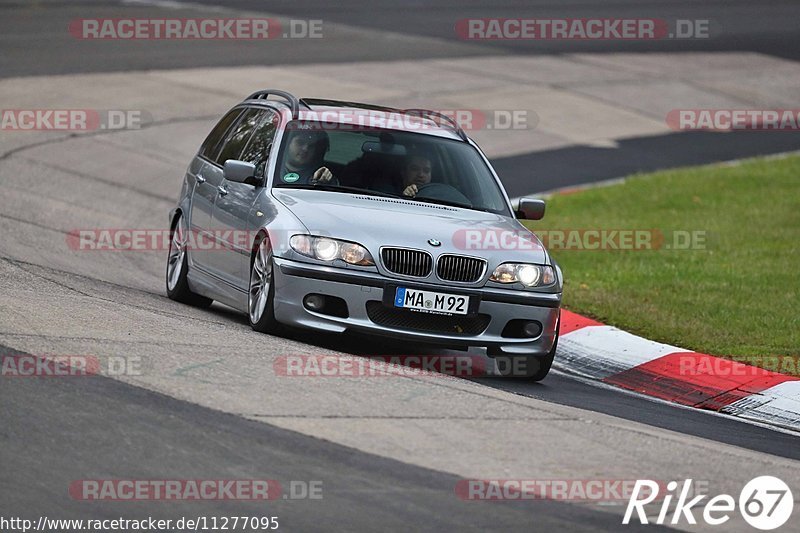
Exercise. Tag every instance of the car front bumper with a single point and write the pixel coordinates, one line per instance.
(295, 280)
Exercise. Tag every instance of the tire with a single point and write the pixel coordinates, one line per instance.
(544, 364)
(178, 268)
(261, 291)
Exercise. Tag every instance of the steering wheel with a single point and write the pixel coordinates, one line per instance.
(444, 192)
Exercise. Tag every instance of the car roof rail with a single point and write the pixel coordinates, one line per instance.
(448, 121)
(288, 98)
(439, 118)
(341, 103)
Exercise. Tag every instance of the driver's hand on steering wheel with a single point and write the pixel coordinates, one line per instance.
(410, 191)
(322, 175)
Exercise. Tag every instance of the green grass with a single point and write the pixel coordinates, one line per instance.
(736, 298)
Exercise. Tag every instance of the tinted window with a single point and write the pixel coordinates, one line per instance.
(214, 139)
(389, 161)
(257, 150)
(238, 136)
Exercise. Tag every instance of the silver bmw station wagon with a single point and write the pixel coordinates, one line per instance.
(340, 216)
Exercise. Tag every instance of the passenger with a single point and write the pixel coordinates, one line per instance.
(303, 163)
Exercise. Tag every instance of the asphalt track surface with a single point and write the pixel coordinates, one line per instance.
(32, 32)
(55, 431)
(151, 436)
(34, 42)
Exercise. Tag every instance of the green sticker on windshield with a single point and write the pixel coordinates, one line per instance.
(291, 177)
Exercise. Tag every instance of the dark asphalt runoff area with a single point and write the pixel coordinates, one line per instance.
(58, 431)
(574, 165)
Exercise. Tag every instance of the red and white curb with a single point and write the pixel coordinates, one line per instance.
(612, 356)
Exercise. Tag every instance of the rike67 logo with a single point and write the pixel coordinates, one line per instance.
(765, 503)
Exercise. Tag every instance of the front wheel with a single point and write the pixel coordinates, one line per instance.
(262, 291)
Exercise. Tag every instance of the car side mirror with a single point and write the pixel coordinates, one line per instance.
(238, 171)
(530, 209)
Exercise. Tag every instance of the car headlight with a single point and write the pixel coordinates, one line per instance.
(527, 274)
(327, 249)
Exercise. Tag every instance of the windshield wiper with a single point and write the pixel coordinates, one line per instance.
(372, 192)
(338, 188)
(453, 204)
(444, 202)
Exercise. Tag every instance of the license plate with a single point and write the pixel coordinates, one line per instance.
(433, 302)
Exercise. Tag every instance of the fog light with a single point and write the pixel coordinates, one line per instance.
(522, 329)
(532, 329)
(315, 302)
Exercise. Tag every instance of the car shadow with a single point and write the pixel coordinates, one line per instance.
(473, 364)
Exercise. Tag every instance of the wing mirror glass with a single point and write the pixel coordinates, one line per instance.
(530, 209)
(238, 171)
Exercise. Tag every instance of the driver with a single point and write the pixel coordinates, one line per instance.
(416, 173)
(304, 159)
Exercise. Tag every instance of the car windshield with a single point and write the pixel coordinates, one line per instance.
(381, 162)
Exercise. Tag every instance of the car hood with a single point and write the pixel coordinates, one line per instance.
(376, 221)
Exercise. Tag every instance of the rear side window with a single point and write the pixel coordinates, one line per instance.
(238, 136)
(212, 143)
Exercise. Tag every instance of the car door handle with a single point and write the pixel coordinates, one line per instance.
(200, 179)
(222, 190)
